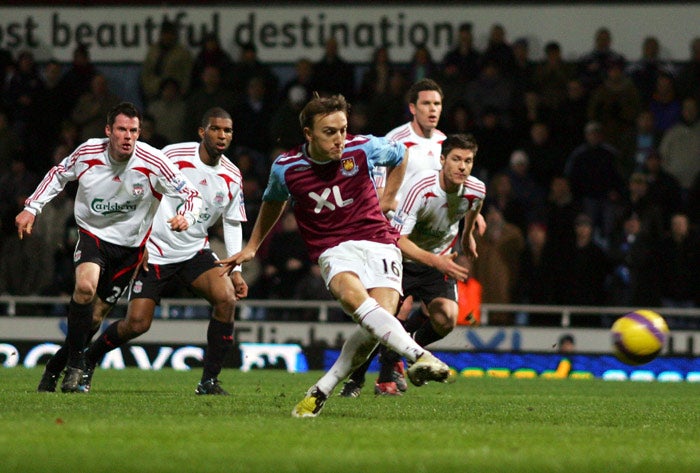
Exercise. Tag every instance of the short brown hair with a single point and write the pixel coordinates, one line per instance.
(459, 142)
(322, 106)
(124, 108)
(420, 86)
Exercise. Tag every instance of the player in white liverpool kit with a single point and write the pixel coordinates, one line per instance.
(420, 135)
(428, 219)
(120, 184)
(186, 256)
(336, 206)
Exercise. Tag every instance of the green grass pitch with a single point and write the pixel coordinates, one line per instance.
(151, 421)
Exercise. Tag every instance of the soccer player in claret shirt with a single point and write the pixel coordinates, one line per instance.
(428, 220)
(120, 184)
(337, 208)
(186, 256)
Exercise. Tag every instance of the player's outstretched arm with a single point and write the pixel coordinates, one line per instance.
(394, 179)
(444, 263)
(270, 212)
(24, 222)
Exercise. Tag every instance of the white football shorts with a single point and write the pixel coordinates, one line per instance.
(376, 264)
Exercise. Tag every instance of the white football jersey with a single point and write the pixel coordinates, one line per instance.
(430, 216)
(423, 153)
(117, 201)
(221, 189)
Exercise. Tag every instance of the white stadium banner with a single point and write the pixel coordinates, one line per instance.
(285, 34)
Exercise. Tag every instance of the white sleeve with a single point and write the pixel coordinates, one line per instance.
(233, 238)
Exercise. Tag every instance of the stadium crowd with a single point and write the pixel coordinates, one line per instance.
(592, 166)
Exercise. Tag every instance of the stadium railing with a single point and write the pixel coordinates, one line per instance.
(324, 310)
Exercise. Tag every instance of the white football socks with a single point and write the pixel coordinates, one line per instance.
(387, 329)
(355, 351)
(376, 325)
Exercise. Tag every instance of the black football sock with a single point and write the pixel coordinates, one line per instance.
(107, 341)
(58, 361)
(414, 320)
(387, 359)
(79, 326)
(219, 343)
(426, 334)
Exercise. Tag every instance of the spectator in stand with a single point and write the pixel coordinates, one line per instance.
(568, 128)
(464, 56)
(551, 78)
(64, 271)
(7, 67)
(303, 77)
(664, 189)
(212, 54)
(78, 78)
(376, 81)
(284, 123)
(680, 265)
(48, 111)
(92, 108)
(689, 73)
(388, 109)
(634, 279)
(458, 119)
(498, 51)
(312, 288)
(560, 212)
(664, 103)
(26, 267)
(166, 58)
(527, 111)
(638, 143)
(692, 202)
(253, 115)
(332, 74)
(546, 159)
(593, 67)
(645, 71)
(249, 66)
(454, 88)
(525, 188)
(536, 282)
(150, 135)
(287, 262)
(492, 91)
(680, 145)
(637, 201)
(523, 70)
(168, 111)
(211, 94)
(587, 267)
(422, 66)
(615, 103)
(501, 196)
(594, 179)
(24, 85)
(496, 268)
(495, 144)
(10, 144)
(16, 183)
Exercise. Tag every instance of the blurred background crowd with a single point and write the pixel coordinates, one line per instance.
(592, 166)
